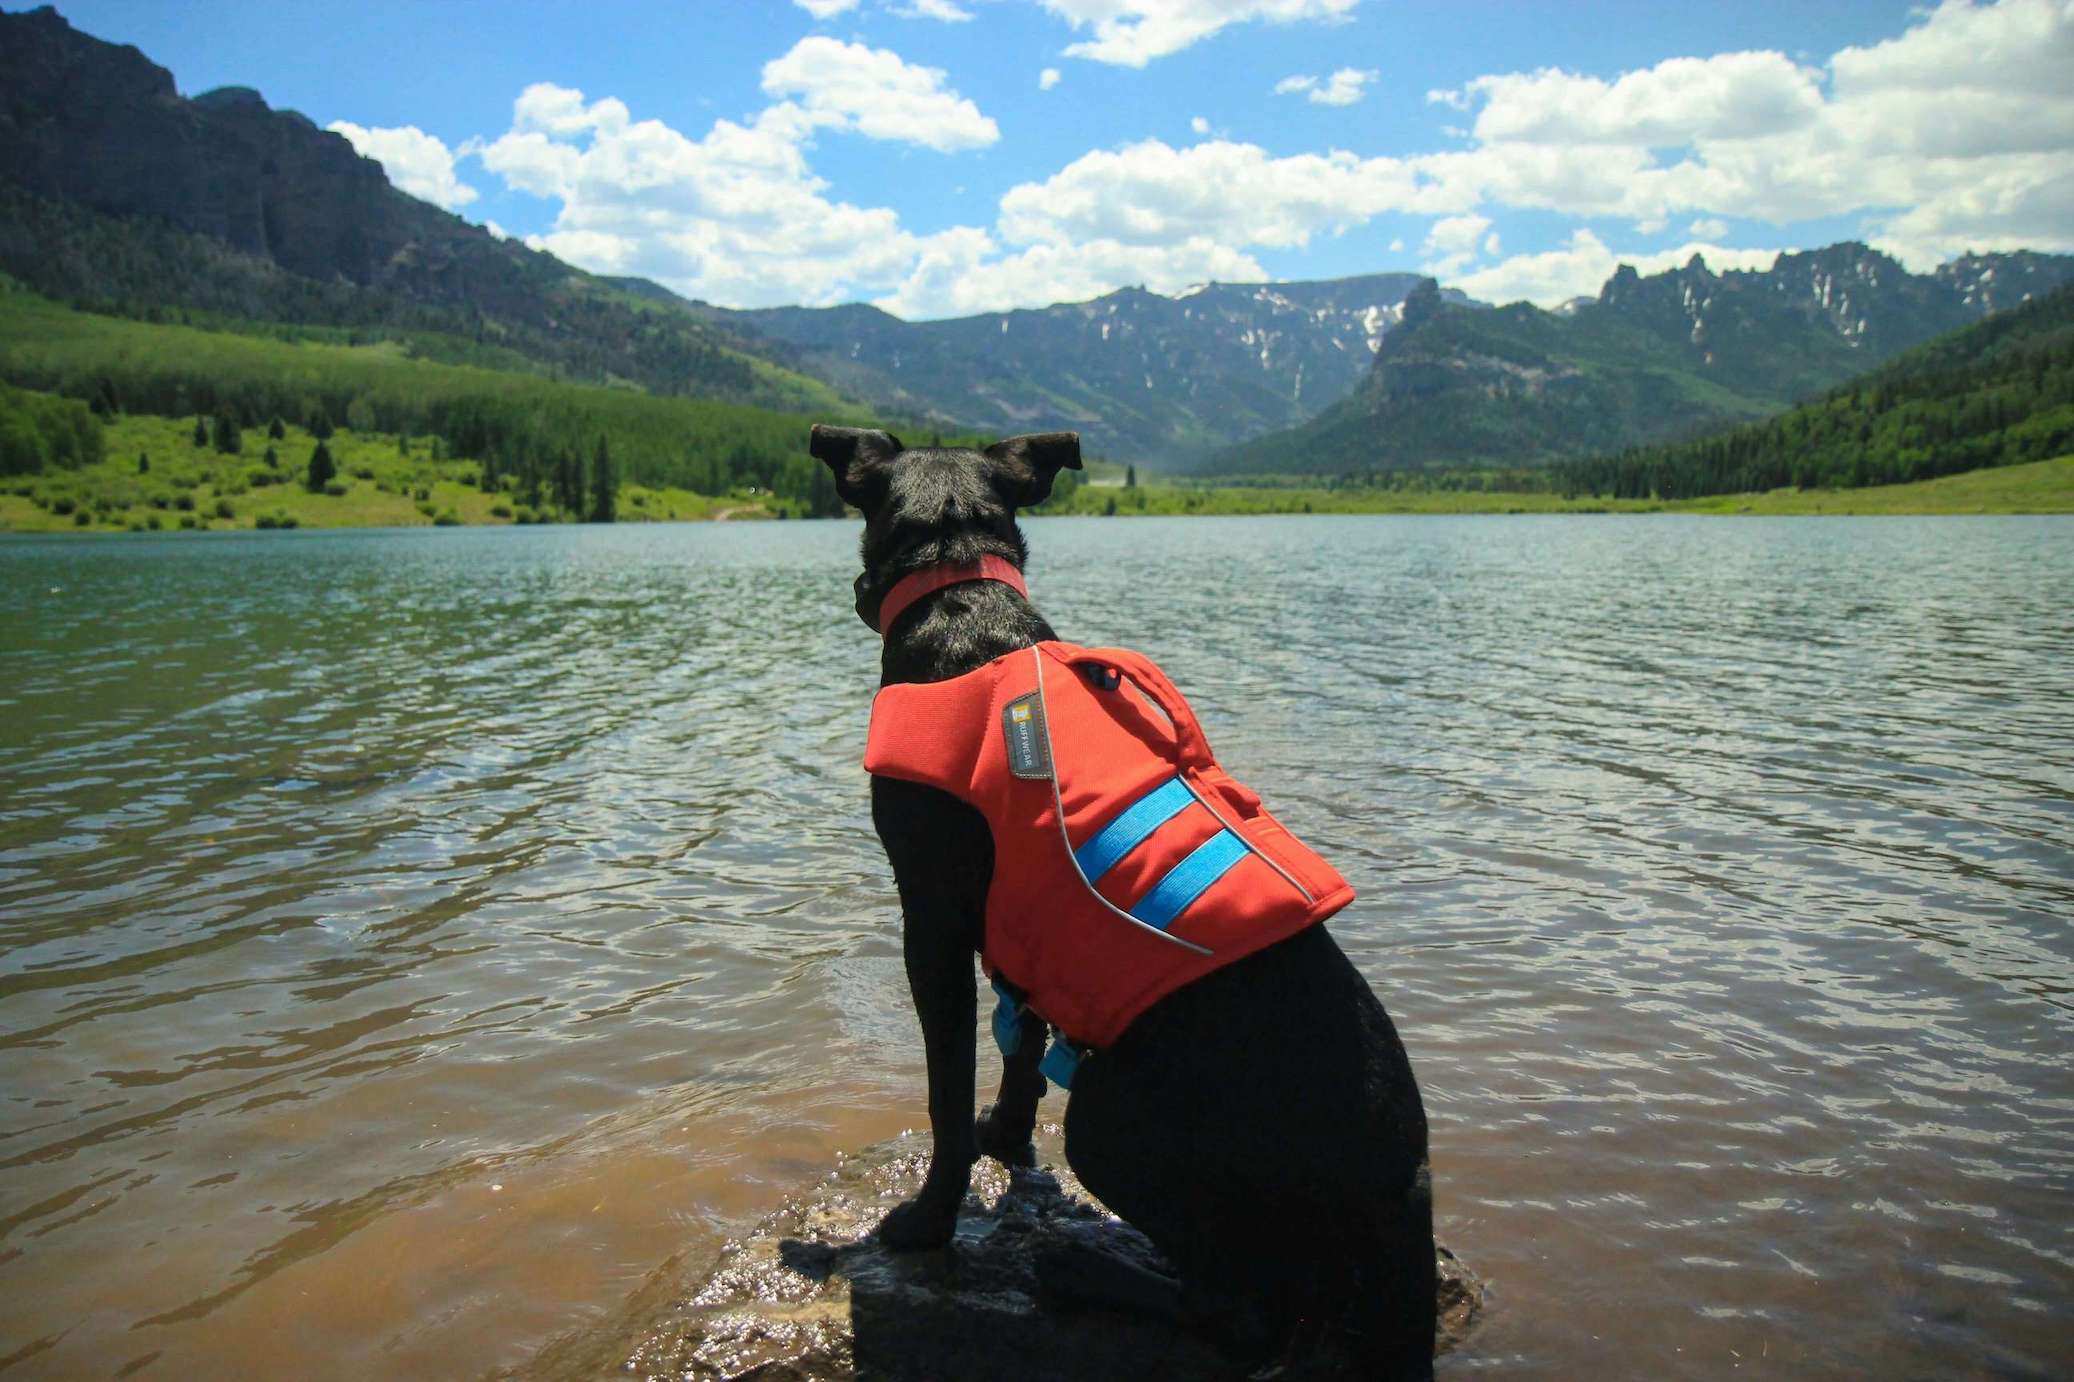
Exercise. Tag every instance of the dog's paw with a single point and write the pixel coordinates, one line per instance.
(1008, 1145)
(917, 1224)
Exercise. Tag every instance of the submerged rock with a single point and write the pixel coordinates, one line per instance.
(805, 1298)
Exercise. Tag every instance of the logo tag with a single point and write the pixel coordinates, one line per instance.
(1029, 743)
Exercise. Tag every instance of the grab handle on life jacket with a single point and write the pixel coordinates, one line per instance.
(1188, 734)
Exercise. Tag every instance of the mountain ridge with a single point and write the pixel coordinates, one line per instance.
(1158, 377)
(1650, 359)
(97, 142)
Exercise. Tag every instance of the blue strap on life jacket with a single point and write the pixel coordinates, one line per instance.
(1131, 827)
(1189, 879)
(1008, 1021)
(1061, 1061)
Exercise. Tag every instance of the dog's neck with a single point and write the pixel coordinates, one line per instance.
(938, 628)
(917, 584)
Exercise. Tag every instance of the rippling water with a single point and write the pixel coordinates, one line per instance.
(420, 946)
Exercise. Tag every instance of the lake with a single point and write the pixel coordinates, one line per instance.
(420, 946)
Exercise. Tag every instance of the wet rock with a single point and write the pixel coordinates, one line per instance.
(802, 1299)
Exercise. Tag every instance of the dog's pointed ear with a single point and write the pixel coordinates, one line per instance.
(1024, 467)
(857, 456)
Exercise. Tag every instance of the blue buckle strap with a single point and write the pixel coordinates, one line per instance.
(1189, 879)
(1131, 826)
(1061, 1062)
(1008, 1021)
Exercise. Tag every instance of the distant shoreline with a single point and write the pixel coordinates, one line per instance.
(446, 497)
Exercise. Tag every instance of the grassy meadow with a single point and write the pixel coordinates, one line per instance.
(64, 470)
(154, 477)
(386, 481)
(2039, 487)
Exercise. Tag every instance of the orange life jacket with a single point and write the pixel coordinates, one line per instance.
(1126, 862)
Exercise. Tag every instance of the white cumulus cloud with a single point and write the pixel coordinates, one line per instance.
(1131, 33)
(965, 271)
(736, 216)
(1581, 267)
(878, 94)
(1734, 96)
(827, 9)
(1342, 88)
(1452, 244)
(1956, 132)
(942, 10)
(1237, 194)
(419, 163)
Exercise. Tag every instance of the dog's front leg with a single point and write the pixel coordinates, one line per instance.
(939, 975)
(943, 859)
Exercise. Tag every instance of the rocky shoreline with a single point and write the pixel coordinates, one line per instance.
(802, 1299)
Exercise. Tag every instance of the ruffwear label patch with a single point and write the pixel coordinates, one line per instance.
(1029, 742)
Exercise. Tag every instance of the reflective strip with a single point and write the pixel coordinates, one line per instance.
(1188, 880)
(1129, 828)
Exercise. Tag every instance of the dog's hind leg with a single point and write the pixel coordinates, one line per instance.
(1076, 1273)
(1389, 1317)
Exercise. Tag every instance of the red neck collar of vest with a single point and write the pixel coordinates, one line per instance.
(930, 579)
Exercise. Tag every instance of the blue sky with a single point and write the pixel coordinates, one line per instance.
(948, 156)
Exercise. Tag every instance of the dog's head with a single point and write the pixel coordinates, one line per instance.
(937, 504)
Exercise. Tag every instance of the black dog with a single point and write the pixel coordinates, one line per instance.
(1261, 1125)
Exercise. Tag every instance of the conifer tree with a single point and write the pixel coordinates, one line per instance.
(226, 436)
(322, 471)
(277, 430)
(143, 464)
(201, 432)
(320, 426)
(604, 487)
(569, 484)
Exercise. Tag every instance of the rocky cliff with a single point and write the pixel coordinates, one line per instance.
(1653, 357)
(120, 194)
(1145, 375)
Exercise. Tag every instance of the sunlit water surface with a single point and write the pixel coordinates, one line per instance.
(420, 947)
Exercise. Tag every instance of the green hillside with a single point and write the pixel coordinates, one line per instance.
(516, 423)
(144, 473)
(119, 194)
(555, 321)
(1997, 393)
